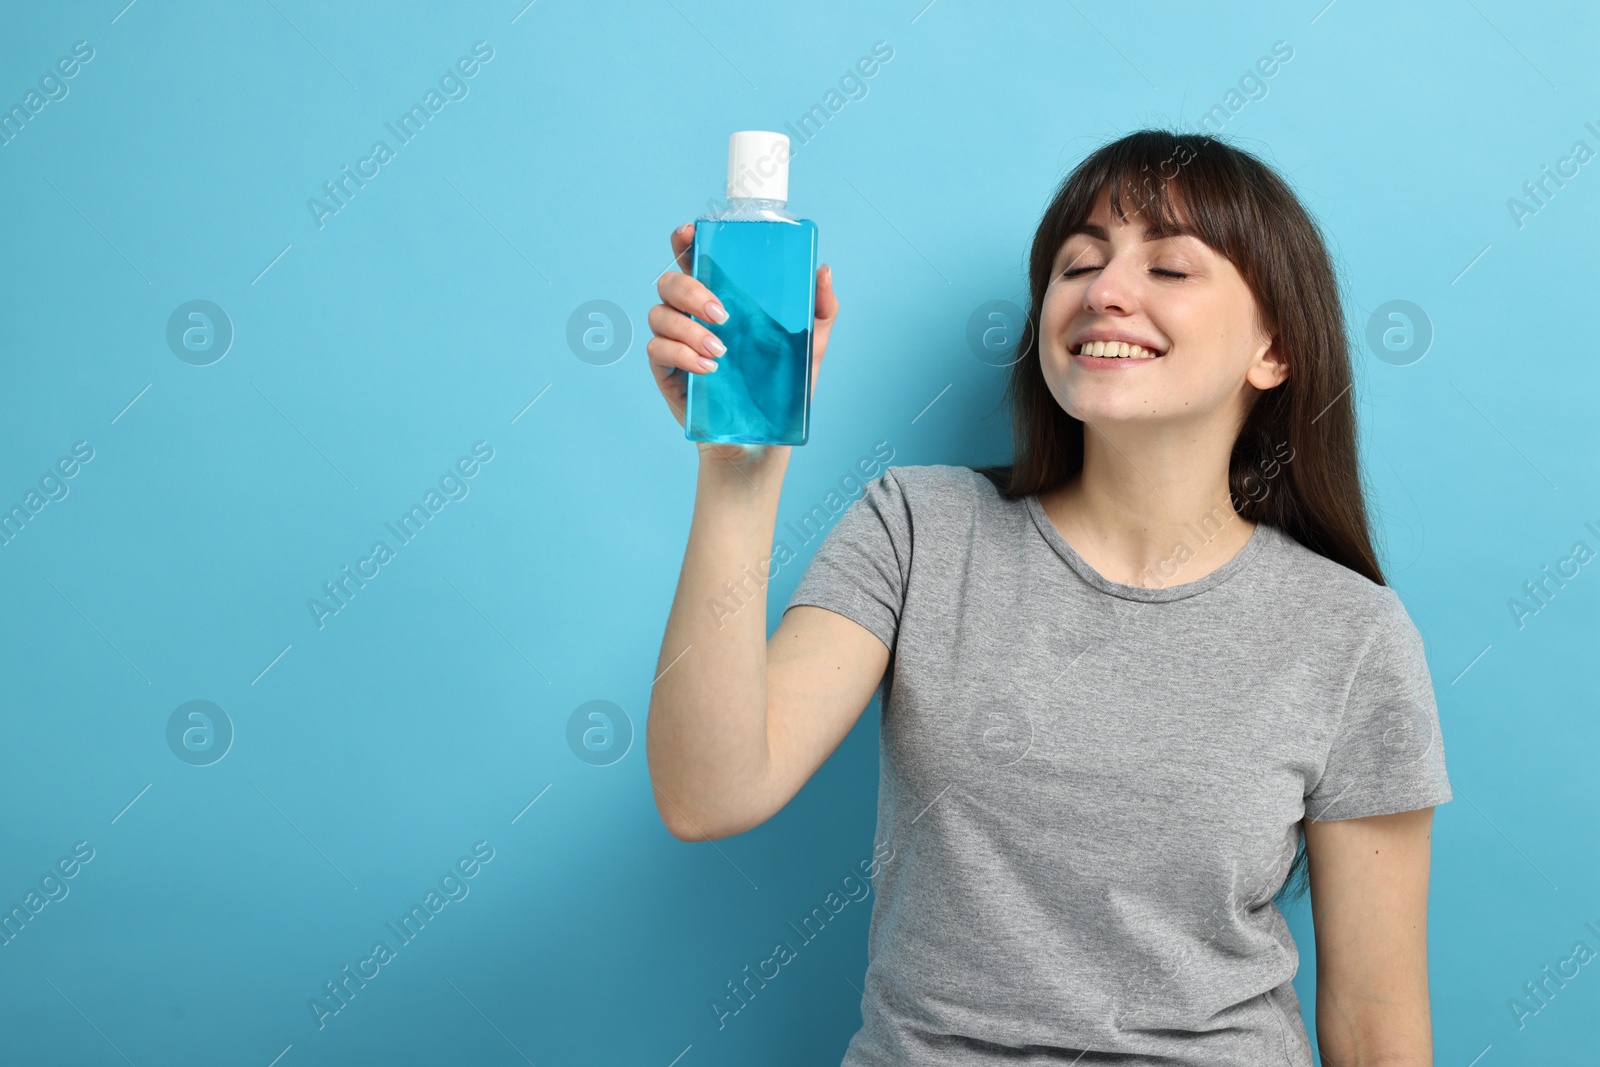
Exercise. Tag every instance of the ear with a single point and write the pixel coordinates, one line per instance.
(1270, 369)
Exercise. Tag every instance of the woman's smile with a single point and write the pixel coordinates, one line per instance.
(1104, 355)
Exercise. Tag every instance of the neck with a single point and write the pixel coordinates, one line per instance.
(1151, 506)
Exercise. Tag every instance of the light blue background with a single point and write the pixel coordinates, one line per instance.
(428, 314)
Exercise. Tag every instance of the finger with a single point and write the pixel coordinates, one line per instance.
(682, 243)
(665, 352)
(827, 311)
(690, 296)
(827, 302)
(817, 350)
(674, 390)
(672, 380)
(673, 383)
(676, 326)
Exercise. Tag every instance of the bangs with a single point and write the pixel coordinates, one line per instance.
(1148, 190)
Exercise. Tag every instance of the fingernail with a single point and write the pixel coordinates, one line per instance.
(715, 346)
(716, 313)
(708, 365)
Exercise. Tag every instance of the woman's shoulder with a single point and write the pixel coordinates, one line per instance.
(945, 493)
(1320, 586)
(945, 480)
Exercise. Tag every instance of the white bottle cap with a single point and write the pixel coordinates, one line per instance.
(758, 165)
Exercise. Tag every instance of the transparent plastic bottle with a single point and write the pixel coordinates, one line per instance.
(761, 263)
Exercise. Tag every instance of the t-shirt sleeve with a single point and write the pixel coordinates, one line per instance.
(861, 567)
(1387, 753)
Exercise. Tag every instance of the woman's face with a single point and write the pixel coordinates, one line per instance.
(1183, 302)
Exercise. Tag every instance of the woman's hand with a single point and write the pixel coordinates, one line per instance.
(680, 346)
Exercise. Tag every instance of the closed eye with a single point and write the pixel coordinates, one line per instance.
(1073, 272)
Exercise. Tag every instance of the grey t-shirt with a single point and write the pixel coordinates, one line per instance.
(1089, 791)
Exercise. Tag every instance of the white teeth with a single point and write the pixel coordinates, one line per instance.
(1115, 350)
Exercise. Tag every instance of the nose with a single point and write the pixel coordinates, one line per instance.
(1109, 291)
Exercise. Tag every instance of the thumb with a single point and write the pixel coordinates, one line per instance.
(827, 302)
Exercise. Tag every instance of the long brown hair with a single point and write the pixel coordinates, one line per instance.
(1245, 211)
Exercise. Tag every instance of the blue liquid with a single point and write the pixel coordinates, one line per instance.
(763, 272)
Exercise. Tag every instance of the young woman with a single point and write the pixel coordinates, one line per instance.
(1132, 681)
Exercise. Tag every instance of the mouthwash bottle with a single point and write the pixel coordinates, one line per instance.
(761, 263)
